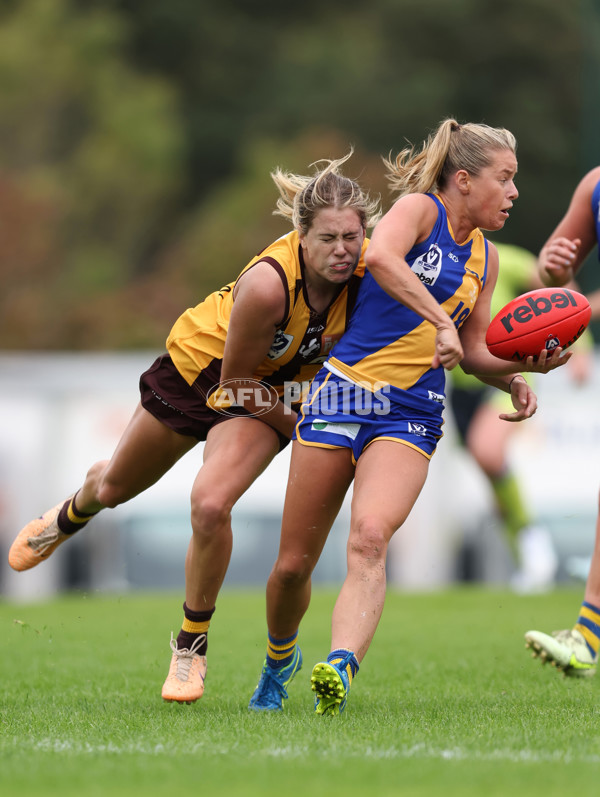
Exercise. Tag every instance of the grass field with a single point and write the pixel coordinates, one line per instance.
(447, 702)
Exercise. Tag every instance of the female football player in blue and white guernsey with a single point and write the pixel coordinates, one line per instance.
(374, 414)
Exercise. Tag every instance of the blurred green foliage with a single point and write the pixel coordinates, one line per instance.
(136, 138)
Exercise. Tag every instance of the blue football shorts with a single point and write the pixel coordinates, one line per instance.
(339, 413)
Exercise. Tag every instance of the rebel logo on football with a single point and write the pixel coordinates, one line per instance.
(537, 306)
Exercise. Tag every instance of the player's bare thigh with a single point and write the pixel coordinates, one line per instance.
(236, 452)
(389, 477)
(318, 482)
(146, 451)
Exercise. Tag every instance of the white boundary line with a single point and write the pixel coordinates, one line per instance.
(419, 751)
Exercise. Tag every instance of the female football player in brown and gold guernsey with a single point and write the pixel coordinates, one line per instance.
(224, 379)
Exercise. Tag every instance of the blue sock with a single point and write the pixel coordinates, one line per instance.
(342, 655)
(588, 624)
(280, 652)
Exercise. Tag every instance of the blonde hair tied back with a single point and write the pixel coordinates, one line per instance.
(453, 146)
(301, 196)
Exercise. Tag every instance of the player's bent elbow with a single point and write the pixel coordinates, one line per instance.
(468, 366)
(375, 257)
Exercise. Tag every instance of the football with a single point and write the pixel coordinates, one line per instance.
(542, 319)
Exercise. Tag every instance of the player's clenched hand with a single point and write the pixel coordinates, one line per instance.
(448, 349)
(557, 258)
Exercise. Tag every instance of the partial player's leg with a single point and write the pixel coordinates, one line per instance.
(319, 480)
(592, 587)
(389, 478)
(146, 450)
(487, 440)
(236, 453)
(574, 651)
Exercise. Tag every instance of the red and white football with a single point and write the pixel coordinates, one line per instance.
(542, 319)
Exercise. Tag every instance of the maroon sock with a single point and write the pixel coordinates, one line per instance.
(195, 624)
(70, 519)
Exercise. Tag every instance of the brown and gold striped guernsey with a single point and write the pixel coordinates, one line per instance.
(302, 340)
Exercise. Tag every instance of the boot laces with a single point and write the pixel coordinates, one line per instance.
(185, 657)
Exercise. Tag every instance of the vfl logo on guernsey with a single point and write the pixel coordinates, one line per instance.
(281, 343)
(438, 397)
(427, 267)
(417, 428)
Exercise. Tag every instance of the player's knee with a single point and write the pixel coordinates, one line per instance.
(368, 540)
(291, 572)
(209, 512)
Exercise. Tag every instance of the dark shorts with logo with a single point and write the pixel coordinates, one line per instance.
(167, 396)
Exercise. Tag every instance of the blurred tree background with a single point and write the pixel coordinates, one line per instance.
(137, 136)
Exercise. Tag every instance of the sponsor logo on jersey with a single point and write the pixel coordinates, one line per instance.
(427, 266)
(328, 342)
(344, 429)
(309, 351)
